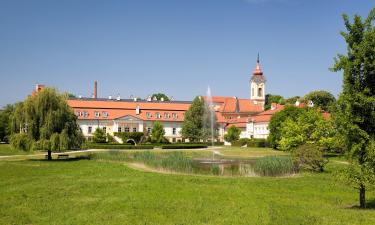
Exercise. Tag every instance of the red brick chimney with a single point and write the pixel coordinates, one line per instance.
(95, 89)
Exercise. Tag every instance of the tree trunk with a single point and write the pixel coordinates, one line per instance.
(49, 155)
(362, 196)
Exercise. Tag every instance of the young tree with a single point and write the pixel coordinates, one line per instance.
(321, 99)
(157, 134)
(192, 127)
(355, 116)
(233, 134)
(99, 136)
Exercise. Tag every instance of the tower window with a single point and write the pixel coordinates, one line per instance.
(260, 92)
(252, 91)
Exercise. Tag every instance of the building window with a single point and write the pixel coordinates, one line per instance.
(134, 129)
(104, 114)
(174, 140)
(85, 114)
(105, 129)
(119, 129)
(260, 92)
(127, 129)
(174, 130)
(97, 114)
(148, 115)
(174, 115)
(157, 115)
(89, 130)
(149, 130)
(166, 115)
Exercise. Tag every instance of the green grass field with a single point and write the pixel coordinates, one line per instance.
(94, 192)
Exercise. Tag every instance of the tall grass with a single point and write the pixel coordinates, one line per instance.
(274, 166)
(111, 156)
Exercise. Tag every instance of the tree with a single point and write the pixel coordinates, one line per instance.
(273, 99)
(355, 114)
(292, 100)
(277, 119)
(321, 99)
(99, 136)
(160, 96)
(233, 134)
(44, 114)
(192, 127)
(4, 122)
(157, 134)
(309, 127)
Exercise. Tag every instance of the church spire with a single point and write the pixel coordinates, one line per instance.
(257, 70)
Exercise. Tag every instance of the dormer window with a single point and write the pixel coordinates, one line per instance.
(85, 114)
(166, 115)
(97, 114)
(157, 115)
(148, 115)
(174, 115)
(104, 114)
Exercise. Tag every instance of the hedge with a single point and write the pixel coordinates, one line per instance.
(259, 143)
(184, 146)
(119, 146)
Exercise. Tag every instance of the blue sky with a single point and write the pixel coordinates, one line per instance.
(178, 47)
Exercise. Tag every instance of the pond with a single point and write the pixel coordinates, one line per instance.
(181, 162)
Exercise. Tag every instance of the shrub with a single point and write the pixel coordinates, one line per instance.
(259, 143)
(274, 166)
(310, 157)
(99, 136)
(110, 139)
(21, 141)
(233, 134)
(184, 146)
(136, 136)
(241, 142)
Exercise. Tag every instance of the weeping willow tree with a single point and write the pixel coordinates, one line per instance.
(44, 115)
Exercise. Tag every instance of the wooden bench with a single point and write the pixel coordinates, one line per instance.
(62, 156)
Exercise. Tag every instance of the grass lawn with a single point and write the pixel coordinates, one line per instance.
(92, 192)
(5, 149)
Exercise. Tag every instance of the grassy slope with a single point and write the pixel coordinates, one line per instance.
(89, 192)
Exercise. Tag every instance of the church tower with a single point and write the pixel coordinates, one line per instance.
(258, 86)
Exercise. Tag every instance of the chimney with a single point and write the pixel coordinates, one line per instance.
(95, 89)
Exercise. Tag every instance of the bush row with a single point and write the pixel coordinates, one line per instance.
(184, 146)
(260, 143)
(118, 146)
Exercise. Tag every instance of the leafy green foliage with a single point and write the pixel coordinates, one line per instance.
(355, 113)
(47, 113)
(160, 96)
(309, 156)
(321, 99)
(273, 99)
(196, 125)
(21, 141)
(289, 112)
(4, 122)
(254, 142)
(158, 132)
(233, 134)
(55, 142)
(99, 136)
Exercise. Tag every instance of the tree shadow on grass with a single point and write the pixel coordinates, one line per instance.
(370, 205)
(54, 159)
